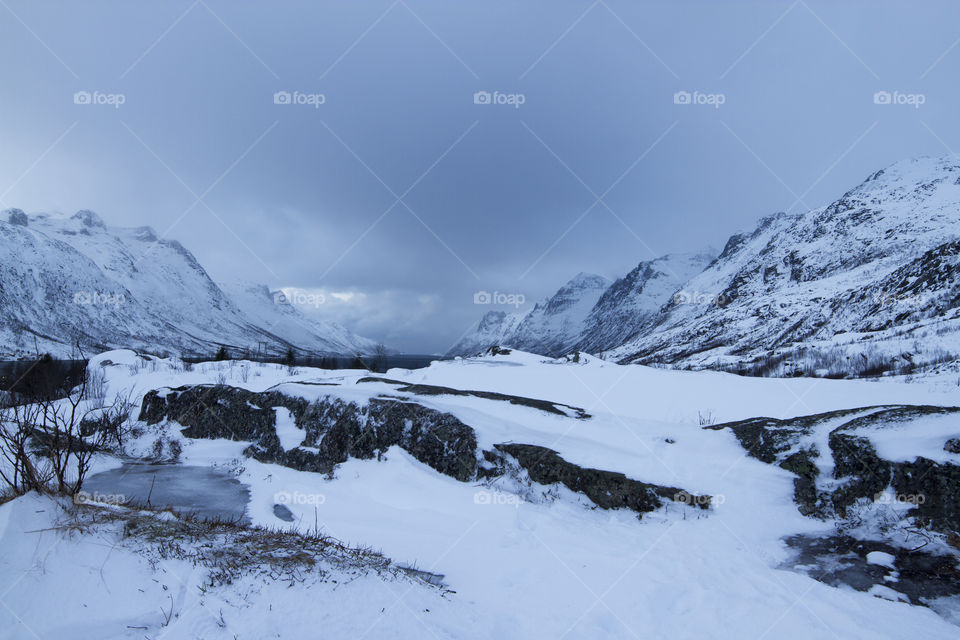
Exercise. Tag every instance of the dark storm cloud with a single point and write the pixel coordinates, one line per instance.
(402, 190)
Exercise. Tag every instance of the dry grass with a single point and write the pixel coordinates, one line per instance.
(228, 550)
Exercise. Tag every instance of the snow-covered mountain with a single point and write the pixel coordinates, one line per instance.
(588, 312)
(555, 324)
(494, 328)
(551, 327)
(865, 285)
(70, 279)
(633, 301)
(868, 283)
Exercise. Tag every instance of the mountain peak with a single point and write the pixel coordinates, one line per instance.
(576, 287)
(88, 219)
(17, 217)
(589, 279)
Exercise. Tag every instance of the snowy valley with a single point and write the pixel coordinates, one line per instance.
(509, 495)
(698, 262)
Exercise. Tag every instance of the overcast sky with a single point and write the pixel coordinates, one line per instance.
(402, 191)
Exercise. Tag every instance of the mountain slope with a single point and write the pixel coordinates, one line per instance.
(494, 328)
(69, 280)
(550, 328)
(867, 283)
(634, 300)
(554, 325)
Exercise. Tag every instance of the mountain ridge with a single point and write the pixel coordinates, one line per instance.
(73, 280)
(863, 285)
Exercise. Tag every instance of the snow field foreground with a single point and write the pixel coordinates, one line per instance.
(523, 560)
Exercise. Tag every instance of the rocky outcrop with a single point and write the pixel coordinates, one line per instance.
(860, 474)
(844, 561)
(17, 217)
(607, 489)
(335, 430)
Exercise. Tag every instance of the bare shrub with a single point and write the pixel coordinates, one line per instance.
(95, 390)
(44, 443)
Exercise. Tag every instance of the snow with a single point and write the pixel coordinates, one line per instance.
(290, 435)
(828, 278)
(881, 558)
(552, 325)
(527, 564)
(73, 277)
(923, 437)
(880, 591)
(96, 588)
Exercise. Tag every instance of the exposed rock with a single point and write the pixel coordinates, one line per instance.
(952, 445)
(859, 473)
(283, 512)
(842, 561)
(607, 489)
(17, 217)
(89, 219)
(867, 475)
(335, 431)
(939, 484)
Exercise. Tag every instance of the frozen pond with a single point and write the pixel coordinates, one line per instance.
(200, 491)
